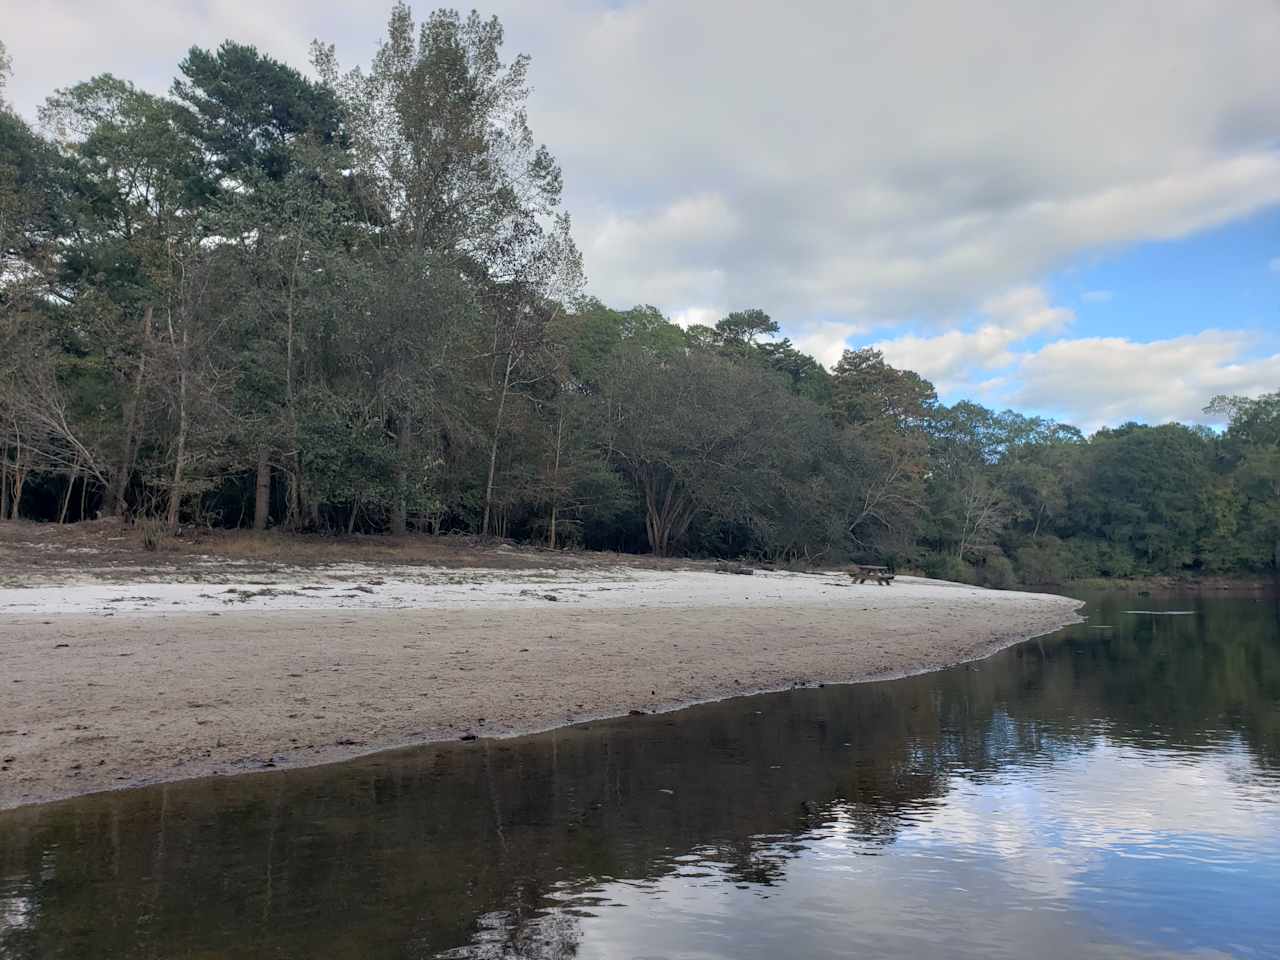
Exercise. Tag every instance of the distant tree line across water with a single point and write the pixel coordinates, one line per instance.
(353, 303)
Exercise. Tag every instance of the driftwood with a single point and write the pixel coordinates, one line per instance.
(861, 573)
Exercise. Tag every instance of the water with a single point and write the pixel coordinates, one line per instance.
(1099, 793)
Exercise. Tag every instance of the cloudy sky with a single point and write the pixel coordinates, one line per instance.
(1072, 209)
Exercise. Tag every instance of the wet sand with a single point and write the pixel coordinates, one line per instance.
(114, 685)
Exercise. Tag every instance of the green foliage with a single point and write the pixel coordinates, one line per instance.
(698, 434)
(1041, 561)
(347, 456)
(1145, 489)
(997, 573)
(28, 194)
(865, 389)
(947, 566)
(247, 110)
(745, 327)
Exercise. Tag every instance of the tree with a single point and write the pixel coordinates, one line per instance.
(865, 389)
(448, 167)
(291, 242)
(880, 473)
(804, 375)
(694, 434)
(134, 185)
(1252, 451)
(1037, 458)
(248, 112)
(439, 132)
(548, 282)
(6, 68)
(275, 152)
(880, 412)
(745, 328)
(1142, 489)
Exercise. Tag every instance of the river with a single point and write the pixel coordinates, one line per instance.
(1112, 790)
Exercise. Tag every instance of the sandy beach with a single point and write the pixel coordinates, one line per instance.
(115, 683)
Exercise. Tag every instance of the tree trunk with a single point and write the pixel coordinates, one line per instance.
(4, 482)
(493, 447)
(262, 492)
(129, 449)
(19, 480)
(175, 493)
(404, 440)
(66, 499)
(555, 477)
(666, 519)
(293, 495)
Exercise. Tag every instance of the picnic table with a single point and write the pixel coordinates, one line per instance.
(862, 572)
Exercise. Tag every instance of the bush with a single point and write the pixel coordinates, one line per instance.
(153, 532)
(1079, 558)
(1116, 561)
(947, 566)
(1086, 557)
(1041, 562)
(997, 573)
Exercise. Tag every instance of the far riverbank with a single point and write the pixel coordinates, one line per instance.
(1166, 584)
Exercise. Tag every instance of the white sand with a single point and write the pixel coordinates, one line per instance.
(359, 587)
(109, 684)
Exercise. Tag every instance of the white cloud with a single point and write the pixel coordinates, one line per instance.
(693, 316)
(826, 342)
(60, 42)
(1097, 381)
(1088, 381)
(902, 163)
(957, 355)
(1096, 296)
(664, 252)
(1026, 311)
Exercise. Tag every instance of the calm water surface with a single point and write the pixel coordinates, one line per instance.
(1099, 793)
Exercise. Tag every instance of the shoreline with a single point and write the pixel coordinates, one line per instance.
(118, 685)
(1169, 583)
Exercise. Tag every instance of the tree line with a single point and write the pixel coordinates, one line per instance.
(353, 303)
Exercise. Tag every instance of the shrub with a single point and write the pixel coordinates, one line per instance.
(1041, 562)
(1116, 561)
(947, 566)
(1079, 558)
(997, 573)
(153, 532)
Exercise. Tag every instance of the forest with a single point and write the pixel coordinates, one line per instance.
(348, 300)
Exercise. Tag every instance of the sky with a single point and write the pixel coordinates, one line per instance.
(1071, 209)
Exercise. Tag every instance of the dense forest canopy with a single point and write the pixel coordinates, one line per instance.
(353, 303)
